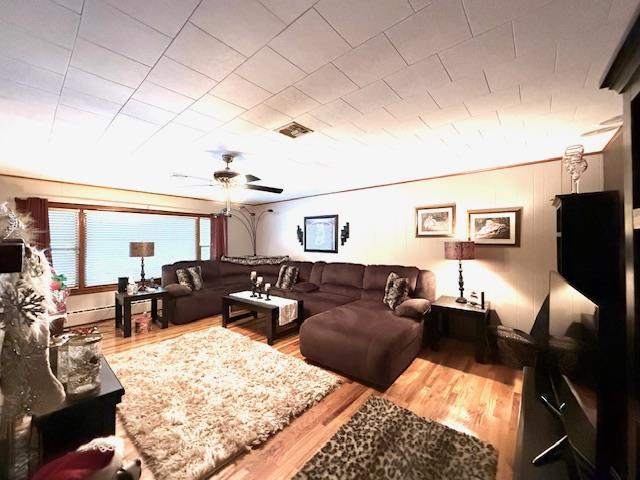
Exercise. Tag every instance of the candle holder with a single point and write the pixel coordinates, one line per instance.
(267, 298)
(260, 291)
(253, 289)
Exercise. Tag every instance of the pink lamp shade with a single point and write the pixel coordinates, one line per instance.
(459, 250)
(141, 249)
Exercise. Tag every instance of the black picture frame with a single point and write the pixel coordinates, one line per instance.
(334, 232)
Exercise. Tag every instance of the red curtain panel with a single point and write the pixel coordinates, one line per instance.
(219, 236)
(38, 210)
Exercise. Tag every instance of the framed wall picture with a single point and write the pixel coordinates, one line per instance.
(499, 226)
(436, 221)
(321, 234)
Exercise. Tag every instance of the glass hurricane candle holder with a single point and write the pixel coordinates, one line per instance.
(83, 363)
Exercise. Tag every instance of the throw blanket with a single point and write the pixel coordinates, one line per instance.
(288, 308)
(256, 260)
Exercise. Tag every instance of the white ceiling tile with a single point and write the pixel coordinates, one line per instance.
(493, 101)
(520, 70)
(343, 131)
(336, 112)
(412, 107)
(242, 127)
(89, 103)
(126, 133)
(17, 44)
(420, 4)
(43, 19)
(168, 16)
(75, 5)
(107, 64)
(217, 108)
(158, 96)
(372, 97)
(270, 70)
(22, 93)
(359, 20)
(309, 42)
(85, 82)
(440, 25)
(445, 115)
(474, 124)
(288, 10)
(371, 61)
(103, 24)
(326, 84)
(245, 25)
(266, 117)
(292, 102)
(146, 112)
(484, 51)
(556, 20)
(311, 122)
(417, 78)
(196, 120)
(239, 91)
(175, 76)
(172, 137)
(200, 51)
(375, 120)
(463, 88)
(82, 119)
(26, 74)
(487, 14)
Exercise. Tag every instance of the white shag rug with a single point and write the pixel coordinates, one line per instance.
(193, 403)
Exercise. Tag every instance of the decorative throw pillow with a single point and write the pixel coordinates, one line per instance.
(196, 277)
(287, 277)
(396, 291)
(184, 278)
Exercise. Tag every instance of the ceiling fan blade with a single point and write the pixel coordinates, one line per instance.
(251, 178)
(262, 189)
(182, 175)
(201, 185)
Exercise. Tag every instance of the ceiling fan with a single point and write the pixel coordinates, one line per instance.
(228, 179)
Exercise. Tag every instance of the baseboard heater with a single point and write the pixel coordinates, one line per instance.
(107, 312)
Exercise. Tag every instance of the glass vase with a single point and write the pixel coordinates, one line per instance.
(83, 364)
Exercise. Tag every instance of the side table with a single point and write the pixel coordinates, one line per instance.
(445, 307)
(123, 308)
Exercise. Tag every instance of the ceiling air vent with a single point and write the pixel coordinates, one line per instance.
(294, 130)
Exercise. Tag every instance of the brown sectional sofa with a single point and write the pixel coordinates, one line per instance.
(347, 327)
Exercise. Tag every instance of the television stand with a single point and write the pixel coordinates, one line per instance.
(551, 451)
(537, 429)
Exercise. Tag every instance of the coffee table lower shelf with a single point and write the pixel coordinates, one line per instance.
(271, 313)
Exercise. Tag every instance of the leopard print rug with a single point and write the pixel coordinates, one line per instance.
(385, 441)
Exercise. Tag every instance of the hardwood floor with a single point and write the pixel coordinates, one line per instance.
(447, 386)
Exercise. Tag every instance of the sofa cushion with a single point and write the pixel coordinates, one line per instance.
(227, 268)
(287, 277)
(362, 339)
(346, 274)
(375, 279)
(305, 287)
(196, 277)
(317, 302)
(184, 278)
(304, 270)
(177, 290)
(415, 308)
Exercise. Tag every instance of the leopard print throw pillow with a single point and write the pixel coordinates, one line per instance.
(184, 278)
(287, 277)
(196, 277)
(396, 290)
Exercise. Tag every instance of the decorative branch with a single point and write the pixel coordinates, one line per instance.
(250, 221)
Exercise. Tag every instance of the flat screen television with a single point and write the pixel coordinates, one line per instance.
(583, 396)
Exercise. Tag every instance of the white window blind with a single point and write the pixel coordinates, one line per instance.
(63, 228)
(205, 238)
(107, 244)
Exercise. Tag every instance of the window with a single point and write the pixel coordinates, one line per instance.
(90, 245)
(205, 239)
(63, 226)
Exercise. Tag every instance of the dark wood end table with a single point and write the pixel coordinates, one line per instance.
(445, 307)
(78, 421)
(123, 308)
(271, 311)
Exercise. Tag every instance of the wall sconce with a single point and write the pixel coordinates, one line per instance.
(344, 234)
(300, 235)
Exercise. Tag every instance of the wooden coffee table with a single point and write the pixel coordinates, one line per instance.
(255, 306)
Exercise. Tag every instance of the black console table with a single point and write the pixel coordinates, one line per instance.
(78, 421)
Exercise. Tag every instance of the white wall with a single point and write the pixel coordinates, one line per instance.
(12, 187)
(382, 226)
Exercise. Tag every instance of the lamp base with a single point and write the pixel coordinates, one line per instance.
(461, 300)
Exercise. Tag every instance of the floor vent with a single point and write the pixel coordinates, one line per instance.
(294, 130)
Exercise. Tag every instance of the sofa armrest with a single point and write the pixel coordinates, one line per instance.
(177, 290)
(415, 308)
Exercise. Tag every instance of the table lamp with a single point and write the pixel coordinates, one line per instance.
(142, 250)
(460, 250)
